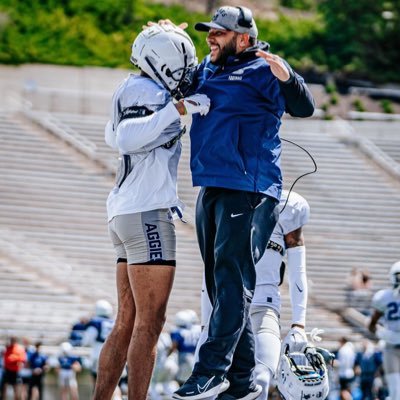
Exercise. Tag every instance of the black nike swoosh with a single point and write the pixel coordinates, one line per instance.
(300, 290)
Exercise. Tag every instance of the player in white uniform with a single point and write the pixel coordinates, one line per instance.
(286, 239)
(145, 128)
(386, 305)
(97, 330)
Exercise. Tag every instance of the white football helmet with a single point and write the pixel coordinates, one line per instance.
(304, 375)
(66, 348)
(103, 308)
(186, 318)
(167, 54)
(395, 274)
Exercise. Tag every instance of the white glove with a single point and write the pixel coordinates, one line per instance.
(314, 334)
(295, 341)
(198, 103)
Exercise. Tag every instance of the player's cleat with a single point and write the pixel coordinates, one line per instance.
(201, 386)
(252, 394)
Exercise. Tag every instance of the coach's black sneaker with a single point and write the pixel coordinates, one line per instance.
(251, 394)
(201, 387)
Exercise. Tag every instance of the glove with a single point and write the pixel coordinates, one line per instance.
(295, 341)
(198, 103)
(314, 334)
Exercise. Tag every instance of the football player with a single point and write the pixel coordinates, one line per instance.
(97, 330)
(184, 340)
(287, 240)
(68, 365)
(145, 128)
(386, 305)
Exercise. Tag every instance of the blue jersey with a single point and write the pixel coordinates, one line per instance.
(369, 362)
(66, 362)
(103, 325)
(75, 337)
(186, 338)
(37, 360)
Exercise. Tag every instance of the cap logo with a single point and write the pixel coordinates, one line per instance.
(219, 13)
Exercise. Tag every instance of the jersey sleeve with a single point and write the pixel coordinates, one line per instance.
(378, 301)
(129, 134)
(135, 133)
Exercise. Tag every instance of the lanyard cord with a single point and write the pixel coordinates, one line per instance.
(301, 176)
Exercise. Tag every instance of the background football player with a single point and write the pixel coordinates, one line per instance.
(386, 305)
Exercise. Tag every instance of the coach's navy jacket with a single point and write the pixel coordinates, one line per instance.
(236, 145)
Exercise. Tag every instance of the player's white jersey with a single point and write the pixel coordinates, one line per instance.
(268, 269)
(387, 301)
(147, 175)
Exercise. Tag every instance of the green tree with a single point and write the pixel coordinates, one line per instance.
(361, 37)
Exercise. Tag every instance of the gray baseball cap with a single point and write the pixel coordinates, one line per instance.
(237, 19)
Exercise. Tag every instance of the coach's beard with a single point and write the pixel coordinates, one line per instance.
(223, 54)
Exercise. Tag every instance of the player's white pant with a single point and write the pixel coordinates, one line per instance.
(391, 364)
(266, 329)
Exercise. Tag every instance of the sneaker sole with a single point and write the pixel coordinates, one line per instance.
(212, 392)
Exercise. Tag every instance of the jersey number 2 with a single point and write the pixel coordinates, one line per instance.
(393, 311)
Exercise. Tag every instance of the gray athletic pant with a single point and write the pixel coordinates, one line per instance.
(233, 229)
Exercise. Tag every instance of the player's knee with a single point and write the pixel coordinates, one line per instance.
(151, 326)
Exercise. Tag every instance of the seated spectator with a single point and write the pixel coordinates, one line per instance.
(366, 282)
(360, 290)
(354, 280)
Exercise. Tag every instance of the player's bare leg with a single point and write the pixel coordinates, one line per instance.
(113, 354)
(151, 286)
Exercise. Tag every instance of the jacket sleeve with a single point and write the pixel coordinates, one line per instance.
(299, 100)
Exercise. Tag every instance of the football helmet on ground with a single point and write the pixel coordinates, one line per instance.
(167, 55)
(304, 375)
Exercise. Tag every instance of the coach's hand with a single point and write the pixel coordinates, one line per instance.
(278, 67)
